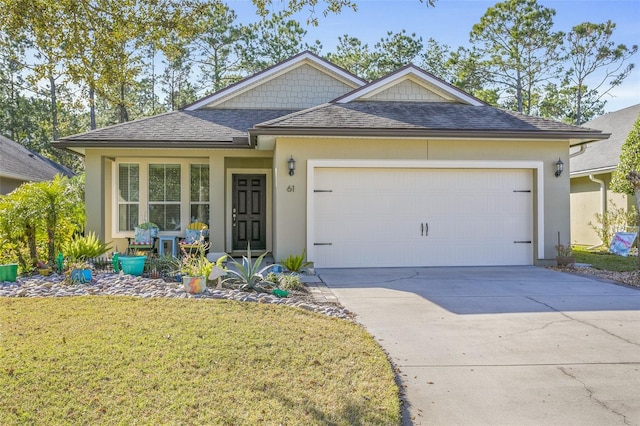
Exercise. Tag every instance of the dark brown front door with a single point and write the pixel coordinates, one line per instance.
(248, 212)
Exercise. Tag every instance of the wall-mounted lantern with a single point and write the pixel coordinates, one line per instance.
(559, 167)
(292, 166)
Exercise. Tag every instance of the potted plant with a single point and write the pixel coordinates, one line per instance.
(152, 227)
(195, 268)
(78, 251)
(564, 256)
(43, 268)
(79, 272)
(132, 265)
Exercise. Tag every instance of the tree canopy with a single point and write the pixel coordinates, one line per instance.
(629, 162)
(626, 178)
(110, 61)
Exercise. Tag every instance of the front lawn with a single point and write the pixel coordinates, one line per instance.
(119, 360)
(603, 260)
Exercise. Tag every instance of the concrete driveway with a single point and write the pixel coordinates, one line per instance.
(502, 345)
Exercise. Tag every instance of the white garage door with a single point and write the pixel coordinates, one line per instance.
(368, 217)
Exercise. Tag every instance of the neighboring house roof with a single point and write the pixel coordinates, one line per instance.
(603, 157)
(381, 118)
(17, 162)
(210, 128)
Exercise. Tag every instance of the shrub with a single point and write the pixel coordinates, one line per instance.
(38, 216)
(295, 263)
(83, 248)
(290, 282)
(615, 219)
(285, 281)
(165, 265)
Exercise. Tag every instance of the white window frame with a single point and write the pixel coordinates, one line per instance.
(200, 203)
(143, 209)
(117, 201)
(165, 202)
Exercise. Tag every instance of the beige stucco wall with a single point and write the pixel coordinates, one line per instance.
(301, 87)
(99, 201)
(287, 195)
(586, 202)
(290, 191)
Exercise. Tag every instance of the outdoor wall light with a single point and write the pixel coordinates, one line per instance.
(559, 167)
(292, 166)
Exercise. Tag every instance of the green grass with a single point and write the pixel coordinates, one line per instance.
(603, 260)
(117, 360)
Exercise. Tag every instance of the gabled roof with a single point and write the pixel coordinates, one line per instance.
(183, 129)
(603, 157)
(259, 78)
(413, 73)
(423, 119)
(17, 162)
(408, 102)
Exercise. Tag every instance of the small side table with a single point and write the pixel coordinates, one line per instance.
(162, 243)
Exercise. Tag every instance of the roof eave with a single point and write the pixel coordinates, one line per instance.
(23, 177)
(576, 138)
(70, 145)
(601, 137)
(595, 171)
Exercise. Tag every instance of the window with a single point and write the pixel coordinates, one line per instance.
(199, 199)
(128, 195)
(165, 196)
(170, 194)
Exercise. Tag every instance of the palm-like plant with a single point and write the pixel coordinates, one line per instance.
(295, 263)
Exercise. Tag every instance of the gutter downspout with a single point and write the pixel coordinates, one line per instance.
(583, 148)
(603, 197)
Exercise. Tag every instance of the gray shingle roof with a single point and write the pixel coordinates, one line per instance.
(606, 154)
(18, 162)
(419, 116)
(206, 127)
(218, 128)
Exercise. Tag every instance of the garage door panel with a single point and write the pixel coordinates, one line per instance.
(379, 217)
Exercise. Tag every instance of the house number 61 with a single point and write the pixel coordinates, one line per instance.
(291, 188)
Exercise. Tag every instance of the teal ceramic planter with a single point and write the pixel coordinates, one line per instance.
(9, 272)
(81, 276)
(132, 265)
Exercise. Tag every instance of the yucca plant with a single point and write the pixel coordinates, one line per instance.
(248, 273)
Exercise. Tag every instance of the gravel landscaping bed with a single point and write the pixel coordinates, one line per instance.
(127, 285)
(631, 278)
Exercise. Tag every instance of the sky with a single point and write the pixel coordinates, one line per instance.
(450, 22)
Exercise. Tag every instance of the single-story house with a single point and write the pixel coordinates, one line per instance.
(591, 168)
(19, 165)
(407, 170)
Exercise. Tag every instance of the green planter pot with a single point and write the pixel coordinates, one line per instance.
(194, 285)
(9, 272)
(132, 265)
